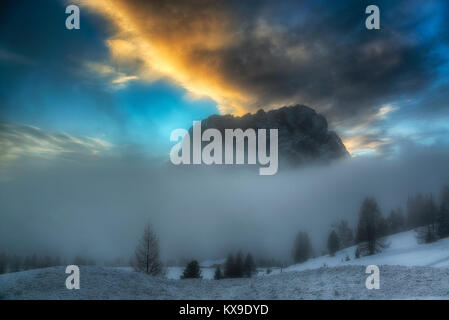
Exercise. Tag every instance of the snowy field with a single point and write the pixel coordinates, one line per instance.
(346, 282)
(408, 270)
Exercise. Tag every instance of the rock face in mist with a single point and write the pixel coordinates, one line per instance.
(303, 135)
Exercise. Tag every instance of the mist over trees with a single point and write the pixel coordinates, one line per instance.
(234, 266)
(396, 221)
(429, 219)
(267, 230)
(249, 266)
(16, 263)
(237, 267)
(2, 263)
(425, 213)
(421, 210)
(333, 243)
(344, 234)
(443, 215)
(302, 248)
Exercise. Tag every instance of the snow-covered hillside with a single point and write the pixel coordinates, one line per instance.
(403, 250)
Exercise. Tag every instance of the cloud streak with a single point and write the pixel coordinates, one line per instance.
(20, 142)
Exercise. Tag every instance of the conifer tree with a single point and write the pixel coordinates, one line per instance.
(333, 243)
(192, 270)
(249, 266)
(218, 275)
(371, 227)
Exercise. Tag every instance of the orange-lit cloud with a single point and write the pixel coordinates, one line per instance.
(364, 137)
(364, 144)
(175, 43)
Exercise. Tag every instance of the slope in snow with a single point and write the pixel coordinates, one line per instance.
(403, 249)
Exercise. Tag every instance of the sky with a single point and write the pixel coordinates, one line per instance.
(136, 70)
(86, 116)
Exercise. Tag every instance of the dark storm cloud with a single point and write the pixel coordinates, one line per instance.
(326, 58)
(272, 53)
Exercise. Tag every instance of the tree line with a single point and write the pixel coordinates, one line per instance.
(423, 213)
(234, 267)
(15, 263)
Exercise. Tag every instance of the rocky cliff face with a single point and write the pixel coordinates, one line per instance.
(303, 133)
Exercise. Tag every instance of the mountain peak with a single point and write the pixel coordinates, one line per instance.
(303, 135)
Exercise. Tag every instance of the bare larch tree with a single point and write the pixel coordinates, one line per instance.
(147, 253)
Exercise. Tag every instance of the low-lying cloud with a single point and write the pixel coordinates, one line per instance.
(98, 210)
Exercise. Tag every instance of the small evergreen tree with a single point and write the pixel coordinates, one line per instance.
(302, 248)
(218, 275)
(192, 270)
(249, 266)
(333, 243)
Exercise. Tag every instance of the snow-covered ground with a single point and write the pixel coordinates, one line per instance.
(408, 270)
(403, 249)
(345, 282)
